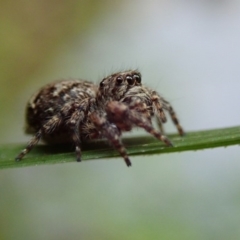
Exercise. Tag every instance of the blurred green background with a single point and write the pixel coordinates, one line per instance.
(189, 51)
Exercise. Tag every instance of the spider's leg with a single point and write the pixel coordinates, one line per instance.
(142, 108)
(120, 113)
(160, 125)
(137, 105)
(111, 132)
(169, 108)
(158, 107)
(160, 104)
(77, 142)
(30, 145)
(74, 123)
(47, 128)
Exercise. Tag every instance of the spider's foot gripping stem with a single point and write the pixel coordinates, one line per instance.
(111, 132)
(30, 145)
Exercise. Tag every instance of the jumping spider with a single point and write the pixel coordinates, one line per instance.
(76, 110)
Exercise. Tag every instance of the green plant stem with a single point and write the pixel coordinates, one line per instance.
(47, 154)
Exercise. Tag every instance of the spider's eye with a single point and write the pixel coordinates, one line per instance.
(119, 80)
(137, 78)
(130, 80)
(101, 84)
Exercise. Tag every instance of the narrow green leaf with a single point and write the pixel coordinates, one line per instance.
(47, 154)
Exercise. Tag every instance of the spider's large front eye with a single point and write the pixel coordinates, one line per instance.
(119, 80)
(101, 84)
(137, 78)
(130, 80)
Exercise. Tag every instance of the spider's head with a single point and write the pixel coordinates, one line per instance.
(116, 85)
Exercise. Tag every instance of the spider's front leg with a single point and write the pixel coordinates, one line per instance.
(111, 132)
(160, 104)
(125, 117)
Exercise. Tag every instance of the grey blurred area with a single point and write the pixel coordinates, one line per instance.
(190, 52)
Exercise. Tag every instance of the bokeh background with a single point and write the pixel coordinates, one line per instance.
(190, 52)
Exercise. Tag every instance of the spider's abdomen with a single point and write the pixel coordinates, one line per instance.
(56, 98)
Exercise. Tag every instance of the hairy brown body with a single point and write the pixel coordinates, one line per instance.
(76, 110)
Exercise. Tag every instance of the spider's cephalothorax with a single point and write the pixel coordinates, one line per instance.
(77, 110)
